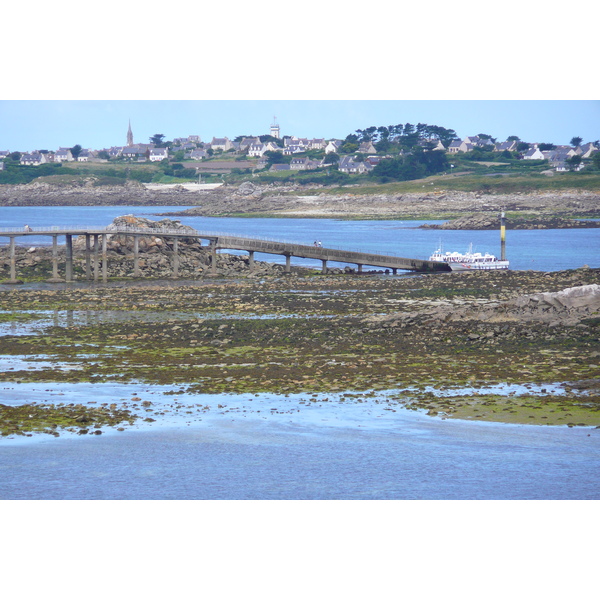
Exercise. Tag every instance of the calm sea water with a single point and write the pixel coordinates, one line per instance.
(540, 250)
(281, 447)
(286, 447)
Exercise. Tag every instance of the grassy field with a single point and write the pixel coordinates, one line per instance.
(471, 182)
(467, 176)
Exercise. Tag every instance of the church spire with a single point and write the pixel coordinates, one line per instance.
(129, 135)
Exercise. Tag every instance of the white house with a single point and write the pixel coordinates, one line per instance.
(85, 156)
(534, 154)
(158, 154)
(333, 146)
(260, 148)
(33, 159)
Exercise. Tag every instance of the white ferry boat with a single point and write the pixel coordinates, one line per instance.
(469, 261)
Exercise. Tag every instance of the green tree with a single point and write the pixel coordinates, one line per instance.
(574, 162)
(331, 159)
(157, 140)
(76, 151)
(576, 141)
(348, 148)
(485, 136)
(596, 160)
(276, 158)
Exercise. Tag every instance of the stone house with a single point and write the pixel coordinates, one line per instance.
(367, 148)
(303, 163)
(198, 154)
(63, 155)
(317, 144)
(586, 150)
(223, 144)
(115, 151)
(135, 152)
(437, 145)
(348, 164)
(502, 146)
(246, 142)
(454, 146)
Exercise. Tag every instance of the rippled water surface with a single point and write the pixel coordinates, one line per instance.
(291, 447)
(295, 447)
(541, 250)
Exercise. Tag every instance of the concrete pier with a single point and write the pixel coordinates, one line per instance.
(216, 242)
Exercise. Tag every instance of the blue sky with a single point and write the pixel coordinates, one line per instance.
(227, 70)
(26, 125)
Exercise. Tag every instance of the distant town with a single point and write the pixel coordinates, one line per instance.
(360, 152)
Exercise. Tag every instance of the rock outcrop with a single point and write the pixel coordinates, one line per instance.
(486, 221)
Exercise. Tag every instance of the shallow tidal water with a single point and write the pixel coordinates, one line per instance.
(289, 447)
(299, 447)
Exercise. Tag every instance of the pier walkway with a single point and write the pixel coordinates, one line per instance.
(96, 250)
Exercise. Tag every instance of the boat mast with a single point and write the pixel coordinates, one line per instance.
(502, 236)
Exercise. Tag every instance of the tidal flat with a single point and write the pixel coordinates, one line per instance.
(310, 334)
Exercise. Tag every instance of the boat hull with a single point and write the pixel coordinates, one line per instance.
(499, 264)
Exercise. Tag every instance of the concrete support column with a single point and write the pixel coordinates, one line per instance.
(13, 260)
(136, 255)
(213, 258)
(288, 265)
(175, 257)
(96, 261)
(251, 260)
(69, 257)
(395, 271)
(324, 269)
(55, 278)
(88, 263)
(55, 257)
(360, 268)
(104, 259)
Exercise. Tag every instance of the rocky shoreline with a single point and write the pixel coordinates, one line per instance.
(490, 220)
(292, 201)
(420, 337)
